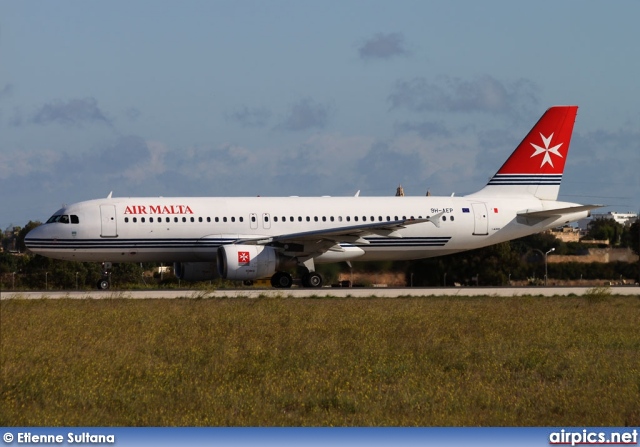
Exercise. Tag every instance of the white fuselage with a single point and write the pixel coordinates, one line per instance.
(190, 229)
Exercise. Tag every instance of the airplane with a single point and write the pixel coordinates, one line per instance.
(248, 238)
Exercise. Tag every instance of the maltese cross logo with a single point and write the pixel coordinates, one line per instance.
(243, 257)
(546, 149)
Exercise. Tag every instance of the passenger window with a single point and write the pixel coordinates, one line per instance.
(126, 220)
(208, 219)
(355, 218)
(224, 219)
(444, 217)
(451, 218)
(168, 219)
(299, 218)
(331, 218)
(308, 219)
(175, 219)
(233, 219)
(135, 220)
(275, 218)
(348, 218)
(151, 219)
(241, 219)
(199, 219)
(142, 219)
(315, 218)
(217, 219)
(324, 218)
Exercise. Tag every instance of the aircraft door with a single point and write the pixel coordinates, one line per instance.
(108, 219)
(253, 221)
(266, 221)
(480, 219)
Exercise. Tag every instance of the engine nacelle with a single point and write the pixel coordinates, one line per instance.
(195, 271)
(247, 262)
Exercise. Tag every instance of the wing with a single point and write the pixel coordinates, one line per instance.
(316, 242)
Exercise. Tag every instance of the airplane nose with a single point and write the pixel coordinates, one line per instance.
(32, 237)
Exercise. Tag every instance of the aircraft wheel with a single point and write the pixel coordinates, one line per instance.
(104, 284)
(312, 279)
(281, 280)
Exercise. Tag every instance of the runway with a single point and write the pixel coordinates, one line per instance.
(325, 292)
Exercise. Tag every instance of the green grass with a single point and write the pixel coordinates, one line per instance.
(486, 361)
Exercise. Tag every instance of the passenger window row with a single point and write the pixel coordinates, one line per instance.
(275, 219)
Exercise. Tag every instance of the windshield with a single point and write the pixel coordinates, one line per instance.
(63, 218)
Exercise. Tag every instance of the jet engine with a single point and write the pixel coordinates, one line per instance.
(247, 262)
(195, 271)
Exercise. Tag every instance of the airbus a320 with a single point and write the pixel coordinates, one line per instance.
(249, 238)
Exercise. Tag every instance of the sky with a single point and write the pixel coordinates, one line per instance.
(308, 98)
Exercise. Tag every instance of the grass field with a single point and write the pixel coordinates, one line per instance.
(483, 361)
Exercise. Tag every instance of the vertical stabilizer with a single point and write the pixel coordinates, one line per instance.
(535, 168)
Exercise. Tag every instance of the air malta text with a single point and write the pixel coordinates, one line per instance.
(160, 209)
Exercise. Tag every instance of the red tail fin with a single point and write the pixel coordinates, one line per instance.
(536, 166)
(544, 150)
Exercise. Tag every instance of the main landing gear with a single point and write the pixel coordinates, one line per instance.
(281, 280)
(310, 278)
(105, 281)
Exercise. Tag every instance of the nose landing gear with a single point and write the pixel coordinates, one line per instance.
(105, 281)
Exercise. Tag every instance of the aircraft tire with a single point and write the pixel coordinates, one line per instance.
(281, 280)
(313, 280)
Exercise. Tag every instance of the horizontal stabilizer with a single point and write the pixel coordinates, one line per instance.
(558, 211)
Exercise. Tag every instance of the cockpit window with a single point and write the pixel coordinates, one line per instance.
(64, 218)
